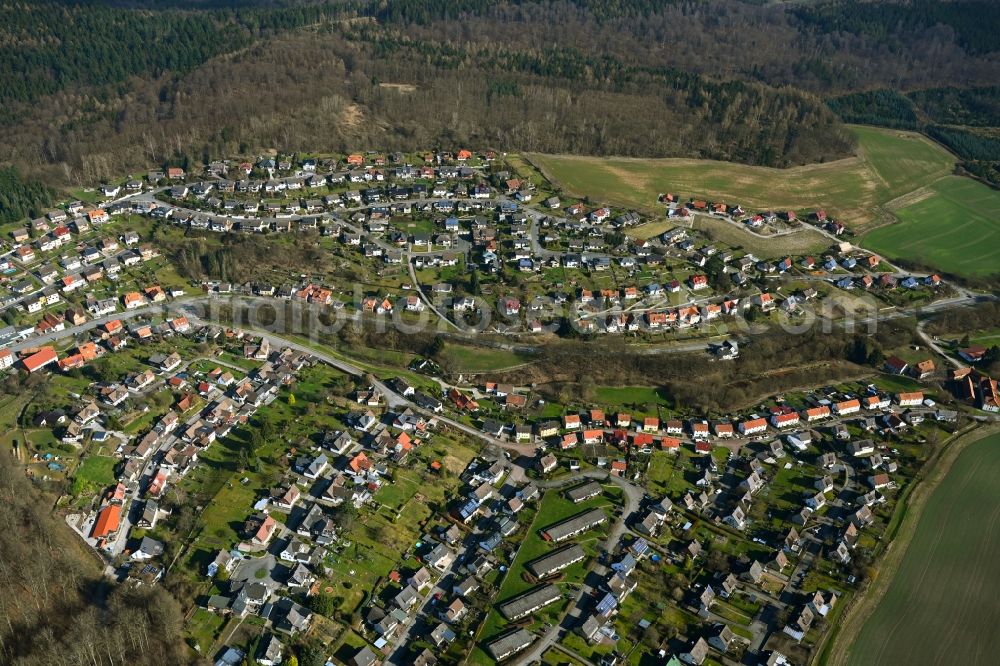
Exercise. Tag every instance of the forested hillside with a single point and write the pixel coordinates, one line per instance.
(20, 198)
(91, 89)
(54, 605)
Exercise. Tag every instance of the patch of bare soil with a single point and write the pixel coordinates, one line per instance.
(399, 87)
(352, 115)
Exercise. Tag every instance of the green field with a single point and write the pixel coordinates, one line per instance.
(890, 163)
(955, 228)
(465, 358)
(941, 606)
(97, 470)
(901, 161)
(625, 396)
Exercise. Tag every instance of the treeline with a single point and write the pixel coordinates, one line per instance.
(886, 108)
(973, 21)
(967, 145)
(635, 110)
(769, 364)
(426, 11)
(21, 198)
(370, 87)
(977, 107)
(95, 90)
(935, 111)
(64, 44)
(57, 608)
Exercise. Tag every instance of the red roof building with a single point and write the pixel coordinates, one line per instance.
(40, 359)
(107, 521)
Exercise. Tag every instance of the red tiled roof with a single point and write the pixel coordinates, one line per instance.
(107, 521)
(41, 358)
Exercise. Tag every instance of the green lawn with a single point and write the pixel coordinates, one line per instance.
(955, 229)
(97, 471)
(204, 626)
(553, 508)
(463, 358)
(627, 396)
(941, 604)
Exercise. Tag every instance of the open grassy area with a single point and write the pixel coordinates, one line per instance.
(464, 358)
(97, 471)
(629, 396)
(890, 163)
(804, 241)
(948, 222)
(956, 228)
(901, 161)
(940, 606)
(551, 509)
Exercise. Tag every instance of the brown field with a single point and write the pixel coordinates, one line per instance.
(889, 165)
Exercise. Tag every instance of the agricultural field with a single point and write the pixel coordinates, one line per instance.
(901, 162)
(890, 164)
(940, 607)
(956, 228)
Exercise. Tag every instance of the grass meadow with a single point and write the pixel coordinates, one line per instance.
(940, 607)
(956, 228)
(889, 164)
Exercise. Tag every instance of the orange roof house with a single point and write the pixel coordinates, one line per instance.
(847, 406)
(670, 443)
(355, 159)
(266, 530)
(155, 293)
(107, 521)
(909, 399)
(112, 326)
(360, 463)
(642, 439)
(71, 362)
(133, 299)
(88, 350)
(814, 413)
(925, 368)
(40, 359)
